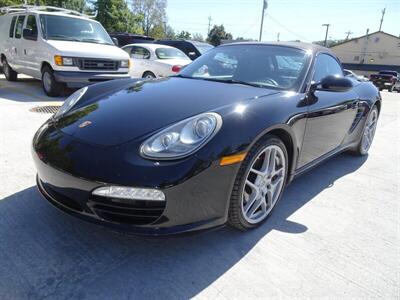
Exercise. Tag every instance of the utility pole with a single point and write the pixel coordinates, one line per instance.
(209, 24)
(365, 47)
(265, 6)
(348, 34)
(326, 33)
(383, 15)
(277, 36)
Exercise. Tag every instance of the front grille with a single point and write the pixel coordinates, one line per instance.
(60, 198)
(135, 212)
(98, 64)
(48, 109)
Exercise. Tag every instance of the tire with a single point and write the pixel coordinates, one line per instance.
(391, 89)
(148, 75)
(368, 133)
(242, 201)
(9, 73)
(50, 85)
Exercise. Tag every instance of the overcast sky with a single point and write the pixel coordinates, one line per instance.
(293, 19)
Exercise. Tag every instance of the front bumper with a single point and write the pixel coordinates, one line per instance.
(80, 79)
(197, 194)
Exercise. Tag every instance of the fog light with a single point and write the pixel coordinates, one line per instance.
(129, 193)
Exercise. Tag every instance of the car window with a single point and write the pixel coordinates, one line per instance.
(326, 65)
(275, 67)
(170, 53)
(12, 26)
(140, 53)
(127, 50)
(31, 24)
(18, 27)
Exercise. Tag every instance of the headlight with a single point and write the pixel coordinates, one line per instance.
(125, 63)
(183, 138)
(63, 61)
(70, 102)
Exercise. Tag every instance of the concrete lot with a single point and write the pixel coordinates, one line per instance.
(336, 232)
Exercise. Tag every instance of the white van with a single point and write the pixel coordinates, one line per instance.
(58, 46)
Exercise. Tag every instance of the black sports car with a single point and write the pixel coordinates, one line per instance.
(215, 144)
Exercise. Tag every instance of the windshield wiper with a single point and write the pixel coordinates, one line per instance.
(232, 81)
(60, 36)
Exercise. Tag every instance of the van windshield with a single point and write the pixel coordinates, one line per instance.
(73, 29)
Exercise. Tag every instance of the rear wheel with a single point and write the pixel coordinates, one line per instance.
(259, 184)
(9, 73)
(148, 75)
(50, 85)
(368, 132)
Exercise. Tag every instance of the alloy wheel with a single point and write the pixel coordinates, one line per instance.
(369, 131)
(264, 183)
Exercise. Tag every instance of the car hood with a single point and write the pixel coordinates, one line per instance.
(143, 107)
(92, 50)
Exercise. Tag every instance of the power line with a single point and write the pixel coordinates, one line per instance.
(287, 29)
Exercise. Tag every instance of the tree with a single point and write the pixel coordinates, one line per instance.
(217, 34)
(115, 16)
(197, 37)
(170, 33)
(184, 35)
(153, 13)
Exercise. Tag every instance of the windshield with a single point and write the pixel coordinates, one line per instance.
(274, 67)
(170, 53)
(388, 73)
(203, 48)
(73, 29)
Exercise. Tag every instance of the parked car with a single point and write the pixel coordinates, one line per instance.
(127, 38)
(58, 46)
(152, 60)
(351, 74)
(389, 80)
(209, 146)
(193, 49)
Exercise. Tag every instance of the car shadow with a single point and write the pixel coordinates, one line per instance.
(26, 89)
(45, 253)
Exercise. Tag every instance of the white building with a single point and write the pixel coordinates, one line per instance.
(370, 53)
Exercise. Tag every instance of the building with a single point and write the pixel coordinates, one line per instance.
(370, 53)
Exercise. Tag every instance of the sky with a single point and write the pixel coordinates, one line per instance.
(291, 19)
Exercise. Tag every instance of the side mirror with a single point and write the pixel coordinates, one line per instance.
(28, 34)
(332, 83)
(115, 41)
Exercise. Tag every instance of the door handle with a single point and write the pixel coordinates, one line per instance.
(25, 51)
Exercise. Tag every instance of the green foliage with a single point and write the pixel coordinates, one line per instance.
(153, 13)
(157, 32)
(170, 33)
(185, 35)
(115, 16)
(197, 37)
(217, 34)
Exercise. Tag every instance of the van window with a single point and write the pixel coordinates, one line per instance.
(18, 28)
(31, 24)
(14, 19)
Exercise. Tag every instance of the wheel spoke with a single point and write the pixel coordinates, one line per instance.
(255, 206)
(257, 172)
(272, 159)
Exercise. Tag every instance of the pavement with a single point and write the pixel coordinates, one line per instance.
(335, 233)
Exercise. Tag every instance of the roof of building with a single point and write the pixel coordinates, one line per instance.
(363, 36)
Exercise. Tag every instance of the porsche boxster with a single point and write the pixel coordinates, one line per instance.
(215, 144)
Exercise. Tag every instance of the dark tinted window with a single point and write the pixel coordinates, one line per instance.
(14, 19)
(18, 27)
(326, 65)
(140, 53)
(31, 24)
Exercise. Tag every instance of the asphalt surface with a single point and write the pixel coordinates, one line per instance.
(335, 233)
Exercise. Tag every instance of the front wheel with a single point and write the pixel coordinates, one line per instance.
(148, 75)
(50, 85)
(368, 132)
(259, 184)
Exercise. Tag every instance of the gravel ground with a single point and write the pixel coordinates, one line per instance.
(335, 233)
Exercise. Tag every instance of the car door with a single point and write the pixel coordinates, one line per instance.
(139, 61)
(330, 114)
(29, 49)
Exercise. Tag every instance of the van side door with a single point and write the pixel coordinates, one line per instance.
(17, 44)
(29, 50)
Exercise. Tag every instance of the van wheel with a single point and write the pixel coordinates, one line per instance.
(148, 75)
(9, 73)
(50, 86)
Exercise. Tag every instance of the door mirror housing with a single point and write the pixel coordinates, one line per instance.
(29, 34)
(332, 83)
(115, 41)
